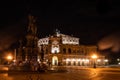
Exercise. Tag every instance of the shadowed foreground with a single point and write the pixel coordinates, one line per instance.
(73, 73)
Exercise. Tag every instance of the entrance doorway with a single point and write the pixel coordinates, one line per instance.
(54, 60)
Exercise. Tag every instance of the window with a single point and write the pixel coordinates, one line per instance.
(55, 47)
(69, 50)
(64, 50)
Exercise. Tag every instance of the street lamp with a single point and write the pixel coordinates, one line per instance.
(94, 57)
(106, 61)
(9, 58)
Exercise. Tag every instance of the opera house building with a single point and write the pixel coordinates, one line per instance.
(57, 49)
(61, 49)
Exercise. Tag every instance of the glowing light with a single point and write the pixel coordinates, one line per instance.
(9, 57)
(70, 40)
(106, 60)
(83, 59)
(87, 60)
(54, 60)
(94, 56)
(98, 60)
(55, 50)
(67, 59)
(78, 60)
(73, 59)
(14, 60)
(38, 60)
(118, 59)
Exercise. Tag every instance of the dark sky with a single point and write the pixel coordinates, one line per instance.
(90, 20)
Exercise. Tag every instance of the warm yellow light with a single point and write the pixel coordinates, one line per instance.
(78, 59)
(73, 59)
(94, 56)
(68, 59)
(9, 57)
(87, 60)
(98, 60)
(106, 60)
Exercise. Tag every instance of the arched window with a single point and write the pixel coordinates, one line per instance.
(64, 50)
(69, 51)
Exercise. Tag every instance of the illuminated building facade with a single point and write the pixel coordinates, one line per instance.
(61, 49)
(58, 49)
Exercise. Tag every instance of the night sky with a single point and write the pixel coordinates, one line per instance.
(94, 22)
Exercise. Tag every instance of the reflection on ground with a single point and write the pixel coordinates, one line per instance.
(74, 73)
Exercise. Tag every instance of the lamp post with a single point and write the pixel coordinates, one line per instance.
(94, 57)
(9, 58)
(106, 61)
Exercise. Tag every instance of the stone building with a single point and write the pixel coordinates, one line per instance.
(61, 49)
(57, 49)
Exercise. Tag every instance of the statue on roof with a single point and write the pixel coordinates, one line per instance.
(57, 32)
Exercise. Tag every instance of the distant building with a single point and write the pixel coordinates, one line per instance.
(57, 49)
(61, 49)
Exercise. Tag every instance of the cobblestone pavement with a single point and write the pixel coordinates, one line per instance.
(74, 73)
